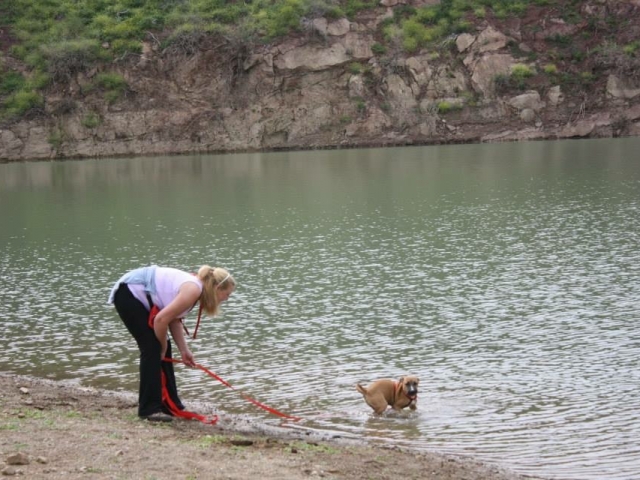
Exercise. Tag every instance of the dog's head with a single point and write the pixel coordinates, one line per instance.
(410, 385)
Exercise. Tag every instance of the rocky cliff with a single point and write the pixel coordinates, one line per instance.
(537, 76)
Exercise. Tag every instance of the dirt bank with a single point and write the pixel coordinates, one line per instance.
(56, 430)
(562, 70)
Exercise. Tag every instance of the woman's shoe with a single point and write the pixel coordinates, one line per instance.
(158, 417)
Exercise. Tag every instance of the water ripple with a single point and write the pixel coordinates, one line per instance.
(514, 298)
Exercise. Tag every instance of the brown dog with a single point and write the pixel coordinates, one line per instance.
(398, 394)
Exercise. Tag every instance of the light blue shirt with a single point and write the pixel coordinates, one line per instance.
(141, 276)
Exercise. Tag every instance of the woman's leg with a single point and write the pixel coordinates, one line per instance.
(169, 375)
(135, 317)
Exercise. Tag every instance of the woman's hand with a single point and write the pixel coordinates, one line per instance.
(187, 358)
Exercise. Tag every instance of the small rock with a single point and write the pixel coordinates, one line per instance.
(17, 459)
(42, 460)
(9, 471)
(528, 115)
(24, 390)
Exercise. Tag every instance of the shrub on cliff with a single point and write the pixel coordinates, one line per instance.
(10, 82)
(65, 59)
(19, 103)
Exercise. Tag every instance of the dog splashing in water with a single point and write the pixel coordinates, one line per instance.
(397, 394)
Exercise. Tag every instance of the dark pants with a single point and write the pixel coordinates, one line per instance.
(135, 317)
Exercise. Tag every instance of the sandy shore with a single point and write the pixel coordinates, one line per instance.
(55, 430)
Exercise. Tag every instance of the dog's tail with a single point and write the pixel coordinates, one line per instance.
(361, 389)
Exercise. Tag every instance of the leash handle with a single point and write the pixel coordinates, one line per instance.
(246, 397)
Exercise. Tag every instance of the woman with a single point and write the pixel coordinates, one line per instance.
(171, 293)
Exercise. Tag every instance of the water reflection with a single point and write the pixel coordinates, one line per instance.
(506, 276)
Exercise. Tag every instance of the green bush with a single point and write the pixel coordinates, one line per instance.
(516, 79)
(64, 59)
(111, 81)
(410, 44)
(11, 82)
(122, 46)
(112, 96)
(91, 120)
(517, 8)
(413, 33)
(186, 38)
(446, 107)
(355, 68)
(56, 138)
(520, 71)
(427, 15)
(354, 6)
(480, 12)
(378, 49)
(631, 48)
(500, 13)
(587, 77)
(230, 14)
(280, 18)
(392, 33)
(550, 69)
(114, 85)
(461, 26)
(21, 102)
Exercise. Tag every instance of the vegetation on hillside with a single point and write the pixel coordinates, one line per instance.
(44, 42)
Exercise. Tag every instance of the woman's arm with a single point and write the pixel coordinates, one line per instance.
(177, 332)
(188, 294)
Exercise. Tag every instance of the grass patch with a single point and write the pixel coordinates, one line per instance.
(9, 426)
(209, 440)
(355, 68)
(378, 49)
(19, 103)
(113, 84)
(631, 48)
(11, 82)
(90, 120)
(445, 107)
(312, 447)
(515, 80)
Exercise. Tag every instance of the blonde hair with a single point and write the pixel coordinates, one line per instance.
(213, 279)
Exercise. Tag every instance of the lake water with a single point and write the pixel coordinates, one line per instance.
(507, 276)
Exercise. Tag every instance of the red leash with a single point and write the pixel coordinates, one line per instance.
(246, 397)
(191, 415)
(176, 412)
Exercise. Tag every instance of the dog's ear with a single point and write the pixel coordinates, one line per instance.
(401, 380)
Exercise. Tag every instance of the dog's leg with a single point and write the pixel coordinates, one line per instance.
(378, 402)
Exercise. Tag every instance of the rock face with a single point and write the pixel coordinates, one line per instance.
(328, 89)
